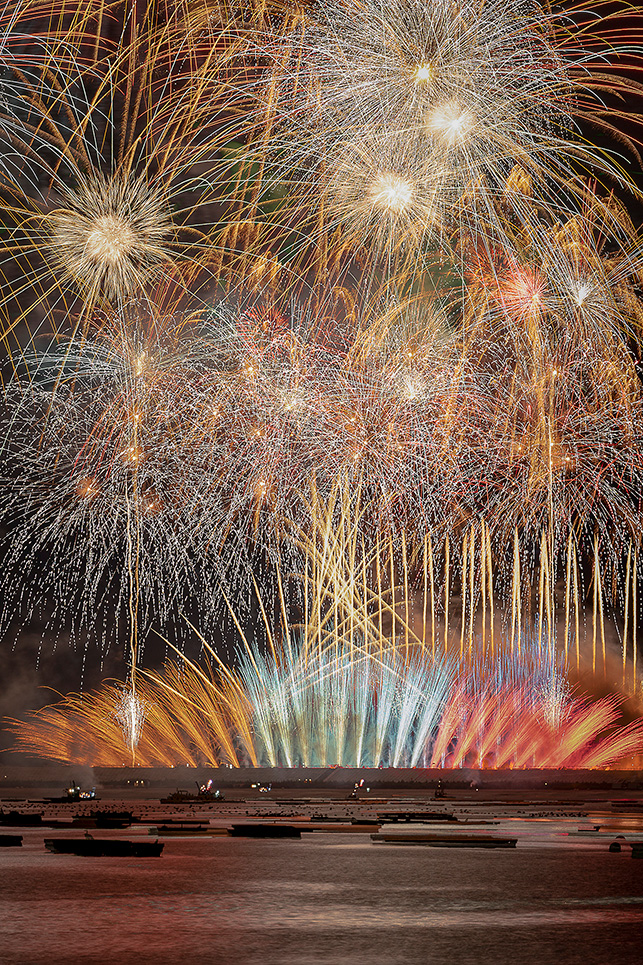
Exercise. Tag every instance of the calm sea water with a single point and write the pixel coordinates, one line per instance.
(322, 900)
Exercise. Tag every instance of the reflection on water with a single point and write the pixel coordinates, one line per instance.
(234, 901)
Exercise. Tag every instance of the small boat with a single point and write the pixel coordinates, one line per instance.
(93, 821)
(257, 830)
(205, 792)
(182, 822)
(189, 831)
(476, 821)
(620, 843)
(10, 840)
(16, 819)
(444, 840)
(104, 847)
(417, 817)
(73, 793)
(340, 827)
(113, 819)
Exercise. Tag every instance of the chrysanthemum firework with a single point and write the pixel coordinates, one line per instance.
(110, 235)
(119, 161)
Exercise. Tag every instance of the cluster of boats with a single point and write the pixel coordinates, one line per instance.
(396, 824)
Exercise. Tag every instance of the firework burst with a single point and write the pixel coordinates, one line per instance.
(110, 236)
(385, 103)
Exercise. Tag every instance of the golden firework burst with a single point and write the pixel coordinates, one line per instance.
(112, 234)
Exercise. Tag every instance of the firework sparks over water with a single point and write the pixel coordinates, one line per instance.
(340, 302)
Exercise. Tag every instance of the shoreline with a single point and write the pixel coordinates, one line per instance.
(29, 780)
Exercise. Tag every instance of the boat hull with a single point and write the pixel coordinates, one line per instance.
(444, 840)
(104, 847)
(10, 840)
(264, 831)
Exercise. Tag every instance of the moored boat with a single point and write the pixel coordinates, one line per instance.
(416, 817)
(104, 847)
(10, 840)
(257, 830)
(205, 793)
(340, 827)
(97, 820)
(73, 793)
(437, 840)
(18, 819)
(187, 831)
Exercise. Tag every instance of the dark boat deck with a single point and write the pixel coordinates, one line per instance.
(10, 840)
(105, 847)
(257, 830)
(444, 840)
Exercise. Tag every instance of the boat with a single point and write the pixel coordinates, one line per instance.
(341, 827)
(183, 822)
(204, 793)
(476, 821)
(104, 847)
(187, 831)
(17, 819)
(443, 840)
(10, 840)
(113, 819)
(417, 817)
(97, 820)
(621, 842)
(258, 830)
(73, 793)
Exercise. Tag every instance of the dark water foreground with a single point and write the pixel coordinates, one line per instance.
(330, 899)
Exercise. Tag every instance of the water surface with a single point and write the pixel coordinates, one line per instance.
(322, 900)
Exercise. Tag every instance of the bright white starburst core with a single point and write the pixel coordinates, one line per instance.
(390, 193)
(110, 239)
